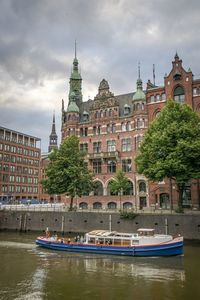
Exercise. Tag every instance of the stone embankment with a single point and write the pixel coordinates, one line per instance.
(187, 225)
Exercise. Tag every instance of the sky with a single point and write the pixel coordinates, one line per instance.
(37, 40)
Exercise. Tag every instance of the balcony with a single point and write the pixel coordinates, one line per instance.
(103, 155)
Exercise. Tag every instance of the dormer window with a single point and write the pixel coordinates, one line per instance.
(127, 109)
(85, 116)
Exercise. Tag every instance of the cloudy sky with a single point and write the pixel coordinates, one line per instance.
(37, 49)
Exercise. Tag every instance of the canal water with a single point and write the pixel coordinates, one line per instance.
(32, 273)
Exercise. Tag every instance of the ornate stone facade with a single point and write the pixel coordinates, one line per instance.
(111, 128)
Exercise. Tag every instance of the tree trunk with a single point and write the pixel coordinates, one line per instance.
(180, 191)
(71, 203)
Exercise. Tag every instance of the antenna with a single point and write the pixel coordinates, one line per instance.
(139, 70)
(154, 77)
(75, 49)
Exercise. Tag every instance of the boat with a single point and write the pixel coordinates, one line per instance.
(142, 243)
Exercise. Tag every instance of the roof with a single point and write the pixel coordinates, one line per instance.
(146, 229)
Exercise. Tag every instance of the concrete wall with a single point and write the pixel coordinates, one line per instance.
(186, 225)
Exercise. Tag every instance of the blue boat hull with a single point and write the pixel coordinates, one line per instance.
(169, 249)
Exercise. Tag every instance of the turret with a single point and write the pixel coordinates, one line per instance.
(53, 138)
(75, 81)
(139, 94)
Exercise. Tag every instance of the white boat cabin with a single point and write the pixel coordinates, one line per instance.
(144, 236)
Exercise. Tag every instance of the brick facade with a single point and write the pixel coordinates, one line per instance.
(111, 128)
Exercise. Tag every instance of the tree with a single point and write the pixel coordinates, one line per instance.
(171, 146)
(120, 184)
(67, 172)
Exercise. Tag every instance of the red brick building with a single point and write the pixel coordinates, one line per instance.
(19, 165)
(111, 129)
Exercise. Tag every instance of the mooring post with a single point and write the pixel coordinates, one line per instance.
(110, 223)
(62, 225)
(166, 226)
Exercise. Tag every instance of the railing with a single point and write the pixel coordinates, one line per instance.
(57, 207)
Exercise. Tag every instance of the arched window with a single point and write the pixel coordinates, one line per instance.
(112, 205)
(110, 113)
(101, 114)
(109, 191)
(156, 113)
(179, 94)
(83, 205)
(97, 205)
(127, 205)
(129, 191)
(142, 187)
(98, 188)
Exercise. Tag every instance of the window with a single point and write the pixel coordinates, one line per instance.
(129, 191)
(111, 166)
(157, 98)
(98, 129)
(97, 147)
(83, 131)
(111, 128)
(179, 94)
(111, 146)
(142, 187)
(123, 126)
(98, 188)
(12, 178)
(138, 141)
(128, 126)
(140, 123)
(94, 130)
(126, 165)
(195, 91)
(85, 116)
(97, 166)
(126, 144)
(152, 99)
(163, 96)
(84, 147)
(127, 109)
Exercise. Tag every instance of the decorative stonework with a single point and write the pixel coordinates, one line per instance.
(104, 98)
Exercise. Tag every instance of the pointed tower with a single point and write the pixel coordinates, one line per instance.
(139, 95)
(53, 138)
(75, 81)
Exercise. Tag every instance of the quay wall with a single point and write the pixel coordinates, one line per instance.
(80, 222)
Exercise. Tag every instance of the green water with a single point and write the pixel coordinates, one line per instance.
(30, 272)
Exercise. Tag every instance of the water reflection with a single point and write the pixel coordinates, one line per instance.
(153, 269)
(30, 272)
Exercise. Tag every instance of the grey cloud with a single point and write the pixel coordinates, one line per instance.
(37, 40)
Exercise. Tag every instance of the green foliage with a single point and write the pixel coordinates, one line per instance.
(171, 145)
(67, 172)
(120, 183)
(128, 215)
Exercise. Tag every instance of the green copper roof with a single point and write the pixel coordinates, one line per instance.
(75, 73)
(139, 95)
(72, 107)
